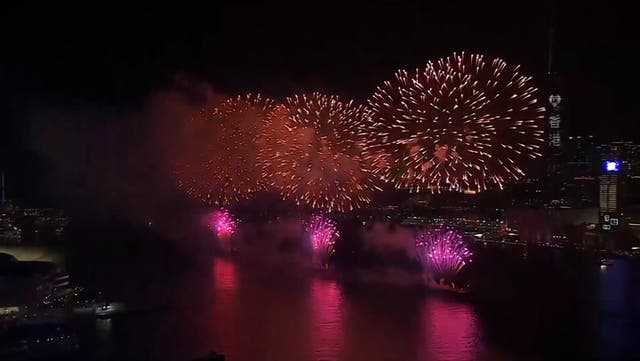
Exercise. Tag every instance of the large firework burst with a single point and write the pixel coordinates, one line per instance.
(312, 154)
(322, 233)
(458, 124)
(217, 163)
(442, 252)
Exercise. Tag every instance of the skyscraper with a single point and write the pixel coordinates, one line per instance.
(556, 170)
(610, 197)
(582, 168)
(555, 101)
(2, 195)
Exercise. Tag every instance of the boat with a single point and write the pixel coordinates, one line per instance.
(109, 309)
(606, 262)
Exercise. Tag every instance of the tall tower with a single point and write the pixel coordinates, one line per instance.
(555, 105)
(551, 42)
(555, 102)
(2, 199)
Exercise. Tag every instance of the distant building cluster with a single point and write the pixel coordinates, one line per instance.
(588, 197)
(30, 225)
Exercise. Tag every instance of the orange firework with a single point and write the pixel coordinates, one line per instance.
(311, 152)
(217, 163)
(459, 124)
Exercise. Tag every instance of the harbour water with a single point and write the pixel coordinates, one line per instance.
(558, 307)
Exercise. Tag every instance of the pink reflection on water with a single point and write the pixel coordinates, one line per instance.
(223, 306)
(224, 274)
(380, 325)
(326, 319)
(450, 330)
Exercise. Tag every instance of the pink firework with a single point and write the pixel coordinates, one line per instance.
(322, 234)
(223, 223)
(442, 252)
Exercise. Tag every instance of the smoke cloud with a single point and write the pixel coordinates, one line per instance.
(382, 237)
(114, 162)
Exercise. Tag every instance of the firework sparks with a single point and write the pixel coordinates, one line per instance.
(311, 152)
(217, 164)
(222, 223)
(442, 252)
(458, 124)
(322, 233)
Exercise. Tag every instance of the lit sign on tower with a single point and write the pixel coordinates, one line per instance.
(554, 121)
(612, 166)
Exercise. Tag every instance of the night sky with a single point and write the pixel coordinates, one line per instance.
(113, 59)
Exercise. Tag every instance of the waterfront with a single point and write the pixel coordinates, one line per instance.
(554, 307)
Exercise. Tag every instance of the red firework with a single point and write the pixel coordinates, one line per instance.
(460, 123)
(217, 162)
(311, 152)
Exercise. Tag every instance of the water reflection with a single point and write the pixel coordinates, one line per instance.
(308, 318)
(450, 330)
(326, 315)
(254, 314)
(225, 281)
(271, 318)
(380, 324)
(104, 337)
(531, 311)
(225, 275)
(619, 310)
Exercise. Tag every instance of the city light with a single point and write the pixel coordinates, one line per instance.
(612, 166)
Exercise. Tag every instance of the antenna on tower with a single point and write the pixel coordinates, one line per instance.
(2, 199)
(551, 40)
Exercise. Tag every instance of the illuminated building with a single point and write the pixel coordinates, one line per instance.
(610, 196)
(29, 225)
(580, 187)
(583, 159)
(9, 231)
(627, 152)
(555, 104)
(633, 159)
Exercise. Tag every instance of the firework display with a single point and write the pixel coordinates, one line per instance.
(311, 152)
(442, 252)
(222, 223)
(458, 124)
(322, 233)
(217, 163)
